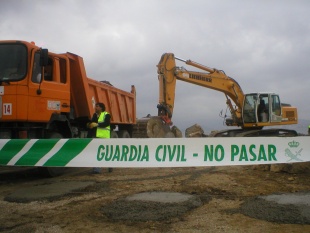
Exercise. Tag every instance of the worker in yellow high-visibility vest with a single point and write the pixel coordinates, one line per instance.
(99, 127)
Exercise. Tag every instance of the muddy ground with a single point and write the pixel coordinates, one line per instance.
(101, 206)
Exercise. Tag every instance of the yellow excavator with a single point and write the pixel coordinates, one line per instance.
(249, 112)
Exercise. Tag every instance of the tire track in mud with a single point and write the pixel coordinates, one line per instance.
(193, 175)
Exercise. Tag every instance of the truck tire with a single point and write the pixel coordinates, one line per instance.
(113, 134)
(54, 135)
(52, 171)
(123, 134)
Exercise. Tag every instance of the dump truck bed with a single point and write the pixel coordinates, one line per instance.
(85, 92)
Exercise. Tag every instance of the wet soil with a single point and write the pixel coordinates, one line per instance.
(102, 206)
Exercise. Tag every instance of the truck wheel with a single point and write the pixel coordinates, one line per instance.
(52, 171)
(113, 134)
(123, 134)
(54, 135)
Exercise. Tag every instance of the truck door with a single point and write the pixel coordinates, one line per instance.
(49, 89)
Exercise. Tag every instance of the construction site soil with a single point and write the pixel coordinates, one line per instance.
(220, 201)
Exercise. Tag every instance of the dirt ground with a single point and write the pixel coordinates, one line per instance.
(101, 207)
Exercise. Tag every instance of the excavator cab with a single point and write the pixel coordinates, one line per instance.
(262, 109)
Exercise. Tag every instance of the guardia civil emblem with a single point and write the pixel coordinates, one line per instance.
(293, 152)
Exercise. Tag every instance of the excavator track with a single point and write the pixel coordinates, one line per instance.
(255, 133)
(154, 127)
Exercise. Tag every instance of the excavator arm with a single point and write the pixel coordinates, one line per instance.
(214, 79)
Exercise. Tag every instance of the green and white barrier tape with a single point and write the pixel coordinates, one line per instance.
(153, 152)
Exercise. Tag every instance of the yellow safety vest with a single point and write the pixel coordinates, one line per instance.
(102, 132)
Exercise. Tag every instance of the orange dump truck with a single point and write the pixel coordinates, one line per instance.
(48, 95)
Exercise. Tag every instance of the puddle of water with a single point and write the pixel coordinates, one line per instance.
(290, 198)
(163, 197)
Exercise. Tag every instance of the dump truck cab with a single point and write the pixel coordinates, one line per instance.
(30, 93)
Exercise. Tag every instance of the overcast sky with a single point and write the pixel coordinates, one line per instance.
(264, 45)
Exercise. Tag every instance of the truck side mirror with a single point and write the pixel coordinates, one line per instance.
(44, 57)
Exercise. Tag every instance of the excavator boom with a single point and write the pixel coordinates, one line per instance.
(214, 79)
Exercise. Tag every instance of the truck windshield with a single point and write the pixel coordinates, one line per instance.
(13, 62)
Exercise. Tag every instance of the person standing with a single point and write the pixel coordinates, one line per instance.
(99, 127)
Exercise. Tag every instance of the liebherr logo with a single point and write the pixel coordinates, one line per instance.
(200, 77)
